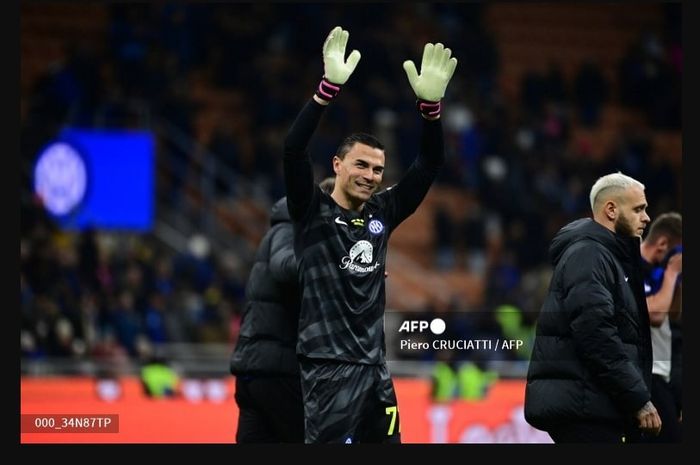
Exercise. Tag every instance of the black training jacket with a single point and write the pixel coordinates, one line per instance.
(592, 355)
(267, 339)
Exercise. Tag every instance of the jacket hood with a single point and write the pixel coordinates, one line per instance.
(279, 212)
(587, 228)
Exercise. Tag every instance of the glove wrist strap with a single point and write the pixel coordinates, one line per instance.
(327, 90)
(429, 109)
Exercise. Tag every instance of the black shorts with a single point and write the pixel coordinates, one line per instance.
(348, 403)
(270, 410)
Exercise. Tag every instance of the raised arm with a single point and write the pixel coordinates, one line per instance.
(659, 304)
(437, 68)
(298, 171)
(429, 86)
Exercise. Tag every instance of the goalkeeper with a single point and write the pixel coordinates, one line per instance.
(340, 241)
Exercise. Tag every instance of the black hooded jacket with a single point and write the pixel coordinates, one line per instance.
(270, 319)
(592, 355)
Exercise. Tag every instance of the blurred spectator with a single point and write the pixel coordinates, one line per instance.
(510, 319)
(467, 380)
(554, 84)
(591, 91)
(158, 378)
(444, 239)
(474, 238)
(533, 91)
(88, 255)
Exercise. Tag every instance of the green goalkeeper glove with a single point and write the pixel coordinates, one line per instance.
(336, 69)
(437, 69)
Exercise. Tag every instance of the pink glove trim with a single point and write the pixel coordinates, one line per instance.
(326, 90)
(429, 108)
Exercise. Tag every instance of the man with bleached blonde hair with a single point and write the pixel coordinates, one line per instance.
(589, 378)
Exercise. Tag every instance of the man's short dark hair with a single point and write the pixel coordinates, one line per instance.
(360, 137)
(667, 224)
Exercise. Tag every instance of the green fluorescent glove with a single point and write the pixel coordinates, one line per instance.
(437, 69)
(336, 69)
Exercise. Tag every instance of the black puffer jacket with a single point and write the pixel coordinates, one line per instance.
(592, 354)
(270, 319)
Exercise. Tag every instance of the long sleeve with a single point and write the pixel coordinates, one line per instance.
(298, 170)
(283, 264)
(414, 185)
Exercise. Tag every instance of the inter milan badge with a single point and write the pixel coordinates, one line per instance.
(375, 227)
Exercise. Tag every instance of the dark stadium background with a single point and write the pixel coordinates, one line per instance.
(546, 98)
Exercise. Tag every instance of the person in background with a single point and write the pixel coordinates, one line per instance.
(589, 378)
(159, 379)
(663, 263)
(264, 362)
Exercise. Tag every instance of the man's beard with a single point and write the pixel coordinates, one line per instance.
(623, 227)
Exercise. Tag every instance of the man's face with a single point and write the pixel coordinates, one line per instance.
(632, 216)
(359, 174)
(662, 247)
